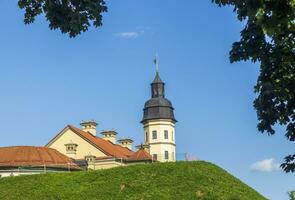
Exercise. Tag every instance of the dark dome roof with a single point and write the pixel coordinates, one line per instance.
(158, 107)
(153, 102)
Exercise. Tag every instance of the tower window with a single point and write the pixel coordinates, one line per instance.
(166, 134)
(155, 157)
(154, 135)
(146, 137)
(166, 155)
(172, 135)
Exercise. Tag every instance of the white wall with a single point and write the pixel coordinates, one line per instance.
(160, 145)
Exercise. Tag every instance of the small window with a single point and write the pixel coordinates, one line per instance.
(71, 148)
(146, 137)
(154, 135)
(155, 157)
(172, 135)
(166, 155)
(166, 135)
(90, 158)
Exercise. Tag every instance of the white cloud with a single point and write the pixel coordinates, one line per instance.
(128, 34)
(266, 165)
(138, 31)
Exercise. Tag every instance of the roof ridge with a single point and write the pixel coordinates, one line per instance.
(77, 130)
(24, 146)
(111, 148)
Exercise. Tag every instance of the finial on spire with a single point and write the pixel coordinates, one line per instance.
(156, 62)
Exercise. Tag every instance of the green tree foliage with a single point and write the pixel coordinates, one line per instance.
(291, 195)
(268, 38)
(70, 16)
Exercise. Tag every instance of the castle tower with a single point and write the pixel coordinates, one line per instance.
(159, 124)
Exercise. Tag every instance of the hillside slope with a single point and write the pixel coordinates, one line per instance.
(181, 180)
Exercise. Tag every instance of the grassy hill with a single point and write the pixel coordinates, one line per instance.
(180, 181)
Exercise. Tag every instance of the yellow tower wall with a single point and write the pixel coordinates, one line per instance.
(160, 145)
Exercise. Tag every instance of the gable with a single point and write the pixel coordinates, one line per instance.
(106, 146)
(84, 147)
(89, 143)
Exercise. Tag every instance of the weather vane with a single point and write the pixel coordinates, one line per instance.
(156, 62)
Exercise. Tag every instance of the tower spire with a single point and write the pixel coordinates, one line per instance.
(156, 62)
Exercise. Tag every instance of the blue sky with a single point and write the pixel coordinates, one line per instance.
(49, 80)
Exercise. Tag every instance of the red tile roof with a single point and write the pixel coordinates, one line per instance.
(106, 146)
(29, 156)
(141, 155)
(110, 149)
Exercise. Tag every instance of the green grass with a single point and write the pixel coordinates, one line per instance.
(181, 180)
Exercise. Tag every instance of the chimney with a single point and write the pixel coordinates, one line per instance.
(90, 160)
(126, 142)
(109, 135)
(89, 126)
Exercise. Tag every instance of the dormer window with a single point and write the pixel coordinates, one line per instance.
(71, 148)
